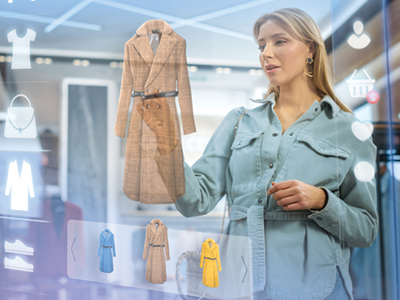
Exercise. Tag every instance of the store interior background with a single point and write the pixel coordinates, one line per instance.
(79, 45)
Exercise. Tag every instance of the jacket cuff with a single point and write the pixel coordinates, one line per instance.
(330, 213)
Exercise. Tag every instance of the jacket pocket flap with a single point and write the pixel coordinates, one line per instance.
(243, 139)
(321, 146)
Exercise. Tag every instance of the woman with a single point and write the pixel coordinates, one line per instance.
(291, 164)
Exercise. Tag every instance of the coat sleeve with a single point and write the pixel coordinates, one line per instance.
(351, 216)
(113, 247)
(99, 249)
(185, 94)
(146, 245)
(218, 260)
(202, 256)
(205, 182)
(125, 96)
(166, 244)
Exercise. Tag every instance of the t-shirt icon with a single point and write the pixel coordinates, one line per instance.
(21, 58)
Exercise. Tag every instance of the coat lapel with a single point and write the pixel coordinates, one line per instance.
(157, 232)
(167, 43)
(142, 45)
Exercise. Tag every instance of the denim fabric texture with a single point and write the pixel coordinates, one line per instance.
(295, 255)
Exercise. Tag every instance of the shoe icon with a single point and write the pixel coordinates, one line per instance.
(18, 247)
(17, 264)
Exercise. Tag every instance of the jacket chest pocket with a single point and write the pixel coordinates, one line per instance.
(316, 161)
(245, 162)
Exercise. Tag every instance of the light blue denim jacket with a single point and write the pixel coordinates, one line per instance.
(300, 251)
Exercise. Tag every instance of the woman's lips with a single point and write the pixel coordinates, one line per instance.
(272, 71)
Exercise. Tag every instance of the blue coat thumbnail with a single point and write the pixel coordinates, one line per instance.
(105, 246)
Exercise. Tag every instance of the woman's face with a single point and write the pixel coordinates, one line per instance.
(279, 48)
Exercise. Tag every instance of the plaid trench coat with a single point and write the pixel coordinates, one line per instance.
(154, 170)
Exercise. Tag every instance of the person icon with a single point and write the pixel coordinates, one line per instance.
(355, 40)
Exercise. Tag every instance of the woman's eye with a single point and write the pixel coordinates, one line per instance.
(279, 41)
(261, 48)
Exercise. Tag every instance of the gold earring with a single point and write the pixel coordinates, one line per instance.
(309, 61)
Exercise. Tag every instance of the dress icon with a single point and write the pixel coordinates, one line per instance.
(21, 58)
(19, 186)
(106, 244)
(157, 240)
(210, 262)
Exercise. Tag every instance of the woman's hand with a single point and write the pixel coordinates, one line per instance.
(297, 195)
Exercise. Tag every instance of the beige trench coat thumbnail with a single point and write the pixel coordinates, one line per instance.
(155, 243)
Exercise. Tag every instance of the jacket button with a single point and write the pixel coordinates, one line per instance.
(239, 143)
(148, 91)
(291, 133)
(319, 218)
(316, 109)
(275, 134)
(260, 200)
(271, 165)
(158, 106)
(148, 106)
(159, 90)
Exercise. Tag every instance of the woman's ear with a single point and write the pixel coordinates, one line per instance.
(312, 49)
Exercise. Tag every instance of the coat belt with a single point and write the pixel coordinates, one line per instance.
(210, 258)
(157, 245)
(106, 246)
(155, 95)
(255, 221)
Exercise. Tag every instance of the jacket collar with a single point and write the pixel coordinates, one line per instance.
(106, 232)
(142, 45)
(146, 27)
(327, 100)
(213, 243)
(153, 226)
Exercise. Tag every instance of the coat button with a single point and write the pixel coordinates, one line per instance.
(239, 143)
(143, 97)
(271, 165)
(158, 106)
(319, 218)
(291, 133)
(148, 91)
(259, 200)
(148, 105)
(316, 109)
(274, 134)
(159, 90)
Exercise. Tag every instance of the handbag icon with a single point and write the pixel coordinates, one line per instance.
(20, 121)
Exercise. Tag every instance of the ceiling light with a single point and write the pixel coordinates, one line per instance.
(9, 59)
(2, 58)
(219, 70)
(76, 62)
(227, 70)
(253, 71)
(121, 65)
(85, 63)
(39, 60)
(113, 64)
(260, 72)
(193, 69)
(10, 1)
(47, 61)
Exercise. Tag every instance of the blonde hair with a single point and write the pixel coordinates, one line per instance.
(305, 29)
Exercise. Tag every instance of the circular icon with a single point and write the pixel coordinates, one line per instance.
(373, 97)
